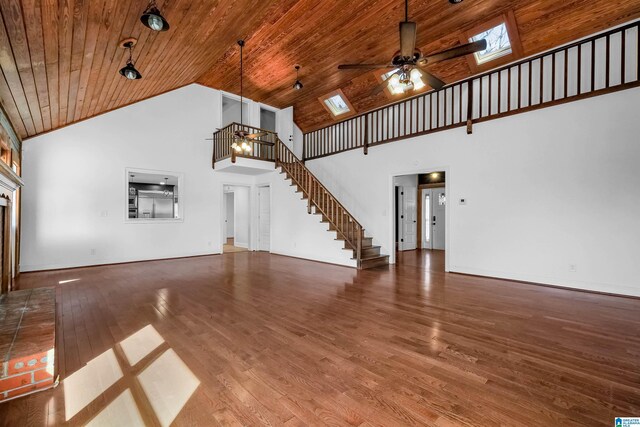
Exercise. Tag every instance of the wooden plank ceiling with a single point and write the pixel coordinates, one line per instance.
(60, 58)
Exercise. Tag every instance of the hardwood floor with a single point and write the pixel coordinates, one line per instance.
(277, 340)
(229, 247)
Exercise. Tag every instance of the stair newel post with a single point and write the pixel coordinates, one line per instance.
(277, 152)
(359, 246)
(309, 191)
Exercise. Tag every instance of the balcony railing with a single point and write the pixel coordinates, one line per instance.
(261, 149)
(597, 65)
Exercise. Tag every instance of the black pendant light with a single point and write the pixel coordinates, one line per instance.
(129, 71)
(153, 19)
(298, 84)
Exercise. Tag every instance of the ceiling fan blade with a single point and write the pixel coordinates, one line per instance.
(408, 38)
(455, 52)
(256, 135)
(363, 66)
(432, 80)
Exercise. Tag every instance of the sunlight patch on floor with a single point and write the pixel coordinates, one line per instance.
(137, 346)
(165, 382)
(121, 412)
(89, 382)
(168, 384)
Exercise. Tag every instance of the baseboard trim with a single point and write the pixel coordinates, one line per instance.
(40, 269)
(546, 285)
(312, 260)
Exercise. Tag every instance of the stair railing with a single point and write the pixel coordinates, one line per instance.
(317, 195)
(261, 149)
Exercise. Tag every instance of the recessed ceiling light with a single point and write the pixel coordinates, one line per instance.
(455, 1)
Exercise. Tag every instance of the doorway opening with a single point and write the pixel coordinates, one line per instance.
(236, 218)
(420, 202)
(231, 110)
(267, 119)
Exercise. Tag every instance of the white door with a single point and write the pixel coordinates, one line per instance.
(407, 218)
(410, 218)
(438, 208)
(229, 216)
(284, 127)
(264, 219)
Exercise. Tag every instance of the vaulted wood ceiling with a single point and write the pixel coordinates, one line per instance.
(60, 58)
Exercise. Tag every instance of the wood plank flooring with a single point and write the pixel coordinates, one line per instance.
(281, 341)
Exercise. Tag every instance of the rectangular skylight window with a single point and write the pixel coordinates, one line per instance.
(498, 43)
(337, 105)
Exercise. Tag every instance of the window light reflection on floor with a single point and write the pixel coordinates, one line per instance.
(166, 382)
(62, 282)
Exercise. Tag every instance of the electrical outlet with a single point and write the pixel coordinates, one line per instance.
(463, 201)
(208, 243)
(93, 251)
(573, 268)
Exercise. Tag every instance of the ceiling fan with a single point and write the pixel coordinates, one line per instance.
(410, 62)
(242, 138)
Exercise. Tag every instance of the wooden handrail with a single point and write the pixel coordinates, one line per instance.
(564, 74)
(319, 196)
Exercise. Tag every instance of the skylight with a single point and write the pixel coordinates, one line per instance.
(337, 105)
(498, 43)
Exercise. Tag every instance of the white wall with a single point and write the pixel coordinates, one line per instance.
(74, 199)
(545, 190)
(74, 196)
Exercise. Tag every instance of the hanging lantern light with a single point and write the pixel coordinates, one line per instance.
(153, 19)
(298, 84)
(129, 71)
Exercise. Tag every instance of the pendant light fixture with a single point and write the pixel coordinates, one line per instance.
(240, 143)
(298, 84)
(129, 71)
(153, 19)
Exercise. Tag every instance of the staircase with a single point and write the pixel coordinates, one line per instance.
(321, 202)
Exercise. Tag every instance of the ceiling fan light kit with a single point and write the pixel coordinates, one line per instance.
(153, 19)
(242, 139)
(410, 64)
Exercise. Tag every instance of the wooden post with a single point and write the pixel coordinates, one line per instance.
(277, 152)
(213, 156)
(309, 191)
(470, 107)
(359, 247)
(366, 134)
